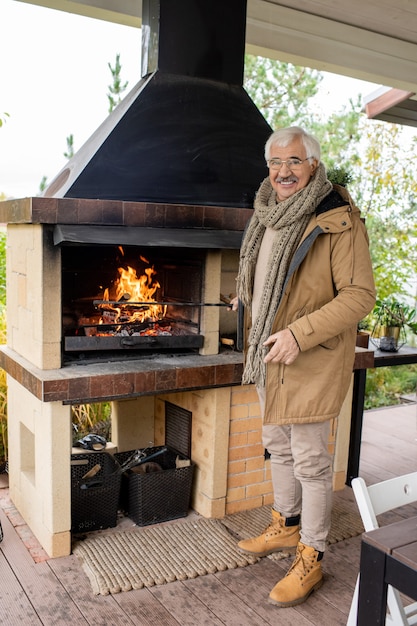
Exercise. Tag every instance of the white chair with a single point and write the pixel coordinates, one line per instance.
(372, 501)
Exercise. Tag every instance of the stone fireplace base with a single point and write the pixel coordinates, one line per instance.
(231, 472)
(40, 438)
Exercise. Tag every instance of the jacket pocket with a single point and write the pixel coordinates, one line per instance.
(331, 343)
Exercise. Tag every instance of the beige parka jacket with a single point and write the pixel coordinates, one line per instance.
(328, 290)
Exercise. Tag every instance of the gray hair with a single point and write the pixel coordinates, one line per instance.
(284, 136)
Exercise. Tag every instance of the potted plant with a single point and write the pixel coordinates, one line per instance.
(339, 176)
(392, 316)
(363, 333)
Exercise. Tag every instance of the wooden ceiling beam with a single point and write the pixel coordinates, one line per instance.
(386, 101)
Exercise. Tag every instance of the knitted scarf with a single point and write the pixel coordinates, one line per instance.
(289, 218)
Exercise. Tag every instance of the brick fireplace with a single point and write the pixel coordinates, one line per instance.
(231, 472)
(41, 387)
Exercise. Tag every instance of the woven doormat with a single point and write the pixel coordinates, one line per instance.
(160, 554)
(134, 559)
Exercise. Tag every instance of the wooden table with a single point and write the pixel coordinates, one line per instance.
(405, 356)
(388, 557)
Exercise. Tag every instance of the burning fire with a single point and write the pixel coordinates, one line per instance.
(134, 301)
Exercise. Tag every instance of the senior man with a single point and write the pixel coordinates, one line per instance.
(305, 277)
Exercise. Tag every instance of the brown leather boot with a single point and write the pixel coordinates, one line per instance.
(303, 577)
(277, 537)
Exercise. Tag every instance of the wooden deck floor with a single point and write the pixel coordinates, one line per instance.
(57, 592)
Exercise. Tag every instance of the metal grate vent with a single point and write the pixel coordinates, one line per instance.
(178, 429)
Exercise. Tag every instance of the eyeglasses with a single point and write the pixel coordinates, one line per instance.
(276, 164)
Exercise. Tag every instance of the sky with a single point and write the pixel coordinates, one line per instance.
(54, 77)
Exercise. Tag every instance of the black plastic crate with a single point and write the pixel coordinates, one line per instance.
(158, 496)
(94, 501)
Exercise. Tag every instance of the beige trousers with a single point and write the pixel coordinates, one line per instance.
(301, 468)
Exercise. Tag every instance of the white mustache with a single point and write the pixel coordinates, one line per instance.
(286, 179)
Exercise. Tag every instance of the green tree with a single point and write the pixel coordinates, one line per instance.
(281, 91)
(339, 134)
(386, 190)
(117, 87)
(284, 93)
(42, 185)
(70, 147)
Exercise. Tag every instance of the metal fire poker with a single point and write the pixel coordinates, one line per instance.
(118, 303)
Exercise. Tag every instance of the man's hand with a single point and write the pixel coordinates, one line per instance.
(233, 304)
(284, 348)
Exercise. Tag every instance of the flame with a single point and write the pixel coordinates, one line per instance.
(131, 289)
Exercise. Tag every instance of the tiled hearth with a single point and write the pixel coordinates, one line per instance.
(120, 213)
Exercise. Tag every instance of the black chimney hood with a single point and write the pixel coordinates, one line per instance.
(187, 133)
